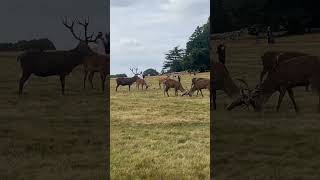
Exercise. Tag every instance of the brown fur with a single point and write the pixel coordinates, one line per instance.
(170, 83)
(298, 71)
(271, 59)
(162, 80)
(198, 84)
(96, 63)
(141, 82)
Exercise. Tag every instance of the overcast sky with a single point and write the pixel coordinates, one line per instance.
(142, 31)
(29, 19)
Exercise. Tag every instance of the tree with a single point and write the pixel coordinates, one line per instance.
(151, 71)
(173, 61)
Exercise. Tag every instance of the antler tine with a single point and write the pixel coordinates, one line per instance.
(65, 22)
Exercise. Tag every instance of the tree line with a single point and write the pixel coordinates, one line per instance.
(196, 55)
(22, 45)
(293, 16)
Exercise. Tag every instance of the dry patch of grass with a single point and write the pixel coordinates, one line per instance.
(159, 137)
(269, 145)
(45, 135)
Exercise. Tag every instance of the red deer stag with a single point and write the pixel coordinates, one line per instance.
(171, 83)
(197, 85)
(271, 59)
(124, 81)
(60, 63)
(221, 80)
(298, 71)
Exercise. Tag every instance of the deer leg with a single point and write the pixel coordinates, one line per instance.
(85, 78)
(201, 92)
(62, 80)
(103, 78)
(23, 79)
(129, 87)
(282, 93)
(262, 75)
(117, 87)
(214, 97)
(291, 95)
(91, 78)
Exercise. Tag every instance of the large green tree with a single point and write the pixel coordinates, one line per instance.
(173, 61)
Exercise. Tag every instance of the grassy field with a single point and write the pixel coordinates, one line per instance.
(158, 137)
(268, 145)
(44, 135)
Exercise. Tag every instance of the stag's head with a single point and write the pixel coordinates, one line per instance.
(249, 97)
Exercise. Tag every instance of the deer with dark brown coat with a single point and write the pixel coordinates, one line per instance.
(271, 59)
(125, 81)
(176, 85)
(298, 71)
(59, 63)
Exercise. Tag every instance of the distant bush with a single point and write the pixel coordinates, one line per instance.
(118, 75)
(151, 71)
(40, 44)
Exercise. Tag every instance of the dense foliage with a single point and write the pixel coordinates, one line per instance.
(151, 72)
(294, 16)
(196, 55)
(118, 75)
(43, 44)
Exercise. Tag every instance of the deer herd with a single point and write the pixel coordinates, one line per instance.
(285, 71)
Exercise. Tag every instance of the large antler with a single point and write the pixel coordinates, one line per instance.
(70, 26)
(85, 24)
(134, 72)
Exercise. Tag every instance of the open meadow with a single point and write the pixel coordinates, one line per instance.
(158, 137)
(45, 135)
(267, 145)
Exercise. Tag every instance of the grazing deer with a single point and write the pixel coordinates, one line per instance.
(162, 80)
(198, 85)
(60, 63)
(298, 71)
(124, 81)
(170, 83)
(142, 82)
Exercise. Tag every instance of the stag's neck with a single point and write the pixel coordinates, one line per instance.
(231, 89)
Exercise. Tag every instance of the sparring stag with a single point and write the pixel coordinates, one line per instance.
(197, 85)
(171, 83)
(125, 81)
(221, 80)
(59, 63)
(298, 71)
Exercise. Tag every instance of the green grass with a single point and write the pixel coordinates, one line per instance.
(267, 145)
(159, 137)
(45, 135)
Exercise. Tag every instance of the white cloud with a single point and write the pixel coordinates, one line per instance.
(142, 31)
